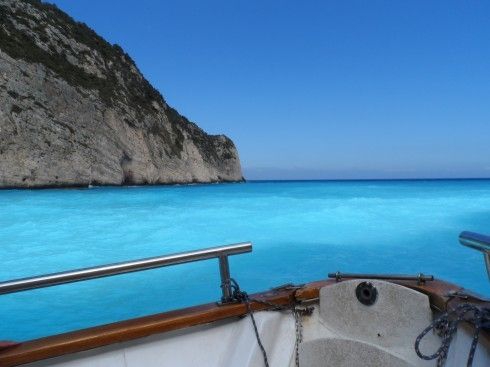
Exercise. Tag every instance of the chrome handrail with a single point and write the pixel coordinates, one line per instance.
(478, 242)
(72, 276)
(475, 240)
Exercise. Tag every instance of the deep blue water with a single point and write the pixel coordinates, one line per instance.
(300, 231)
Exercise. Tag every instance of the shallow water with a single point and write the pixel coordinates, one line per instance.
(300, 231)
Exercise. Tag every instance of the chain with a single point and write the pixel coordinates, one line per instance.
(243, 297)
(447, 325)
(299, 334)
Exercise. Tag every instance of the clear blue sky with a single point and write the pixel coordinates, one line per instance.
(319, 89)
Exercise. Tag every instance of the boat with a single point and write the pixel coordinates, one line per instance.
(344, 320)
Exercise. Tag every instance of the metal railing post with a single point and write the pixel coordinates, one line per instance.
(478, 242)
(224, 271)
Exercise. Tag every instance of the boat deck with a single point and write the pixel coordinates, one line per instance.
(54, 346)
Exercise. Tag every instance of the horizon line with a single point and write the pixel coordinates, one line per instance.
(373, 179)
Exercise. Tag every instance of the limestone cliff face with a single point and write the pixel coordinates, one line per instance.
(75, 110)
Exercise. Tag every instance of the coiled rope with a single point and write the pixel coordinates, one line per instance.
(447, 326)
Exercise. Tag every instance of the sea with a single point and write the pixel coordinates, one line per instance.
(300, 230)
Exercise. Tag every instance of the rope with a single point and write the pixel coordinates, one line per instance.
(447, 326)
(242, 296)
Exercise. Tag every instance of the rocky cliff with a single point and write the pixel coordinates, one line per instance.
(75, 110)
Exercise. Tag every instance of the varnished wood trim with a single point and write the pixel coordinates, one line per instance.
(99, 336)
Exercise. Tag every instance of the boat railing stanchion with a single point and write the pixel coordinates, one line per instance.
(478, 242)
(224, 271)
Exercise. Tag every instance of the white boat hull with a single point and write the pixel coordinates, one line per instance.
(341, 332)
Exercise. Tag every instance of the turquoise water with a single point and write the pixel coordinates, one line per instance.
(300, 230)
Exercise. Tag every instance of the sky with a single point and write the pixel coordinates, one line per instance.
(319, 89)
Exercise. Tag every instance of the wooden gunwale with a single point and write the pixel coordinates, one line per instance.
(99, 336)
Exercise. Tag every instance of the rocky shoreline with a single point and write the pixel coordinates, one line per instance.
(90, 186)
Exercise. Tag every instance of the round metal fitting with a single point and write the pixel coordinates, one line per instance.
(366, 293)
